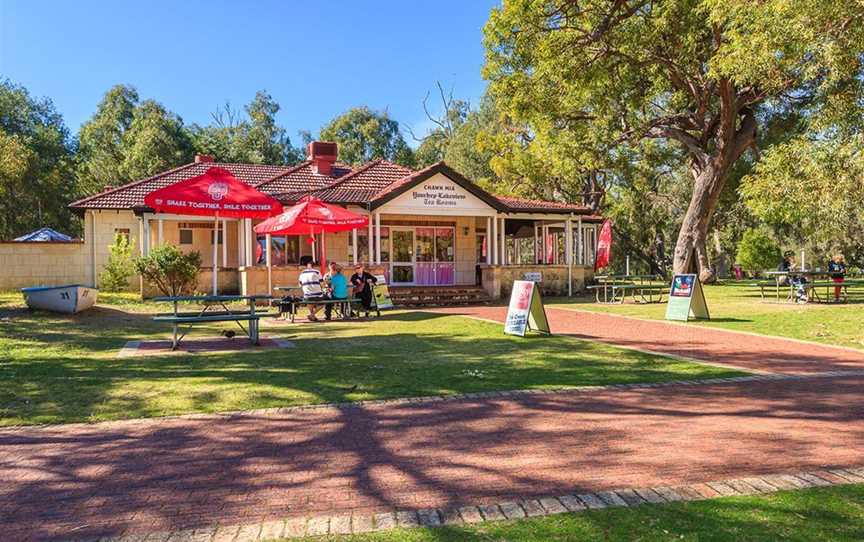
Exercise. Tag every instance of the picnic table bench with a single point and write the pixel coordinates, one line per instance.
(812, 287)
(205, 316)
(289, 304)
(615, 289)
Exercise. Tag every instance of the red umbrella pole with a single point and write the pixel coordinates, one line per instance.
(323, 253)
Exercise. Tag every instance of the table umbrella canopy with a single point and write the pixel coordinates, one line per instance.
(309, 216)
(214, 193)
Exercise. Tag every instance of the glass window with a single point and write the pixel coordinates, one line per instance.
(283, 250)
(385, 244)
(292, 249)
(212, 234)
(122, 231)
(402, 249)
(185, 237)
(277, 251)
(260, 253)
(590, 240)
(444, 244)
(425, 244)
(362, 246)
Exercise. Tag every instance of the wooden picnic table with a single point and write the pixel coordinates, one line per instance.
(616, 288)
(206, 315)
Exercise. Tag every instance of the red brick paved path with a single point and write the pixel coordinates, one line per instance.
(757, 352)
(157, 475)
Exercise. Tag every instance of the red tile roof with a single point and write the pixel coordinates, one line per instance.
(529, 205)
(373, 183)
(131, 196)
(358, 187)
(303, 177)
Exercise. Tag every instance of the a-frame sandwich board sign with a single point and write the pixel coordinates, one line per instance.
(526, 311)
(686, 299)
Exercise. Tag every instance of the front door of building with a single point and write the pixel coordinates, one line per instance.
(402, 255)
(434, 256)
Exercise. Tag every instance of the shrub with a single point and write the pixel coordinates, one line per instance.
(172, 271)
(119, 269)
(758, 251)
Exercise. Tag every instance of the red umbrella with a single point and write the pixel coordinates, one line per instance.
(215, 193)
(310, 216)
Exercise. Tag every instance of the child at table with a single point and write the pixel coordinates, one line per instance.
(837, 269)
(337, 285)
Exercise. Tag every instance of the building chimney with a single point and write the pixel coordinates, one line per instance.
(203, 158)
(322, 155)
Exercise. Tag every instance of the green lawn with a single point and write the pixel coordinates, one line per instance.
(738, 307)
(58, 369)
(824, 514)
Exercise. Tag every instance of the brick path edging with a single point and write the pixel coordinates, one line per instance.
(563, 390)
(352, 523)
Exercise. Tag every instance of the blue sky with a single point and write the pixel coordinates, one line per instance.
(316, 58)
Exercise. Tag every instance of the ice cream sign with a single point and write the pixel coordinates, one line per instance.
(438, 195)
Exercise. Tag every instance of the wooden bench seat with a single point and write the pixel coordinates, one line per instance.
(188, 319)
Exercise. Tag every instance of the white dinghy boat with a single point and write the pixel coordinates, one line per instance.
(68, 299)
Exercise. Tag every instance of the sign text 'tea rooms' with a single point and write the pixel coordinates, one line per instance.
(437, 195)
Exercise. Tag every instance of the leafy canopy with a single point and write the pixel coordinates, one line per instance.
(36, 179)
(812, 192)
(251, 138)
(363, 135)
(758, 251)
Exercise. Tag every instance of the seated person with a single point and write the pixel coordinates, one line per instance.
(837, 269)
(362, 281)
(310, 283)
(337, 285)
(798, 281)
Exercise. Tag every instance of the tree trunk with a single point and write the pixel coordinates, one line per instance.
(694, 228)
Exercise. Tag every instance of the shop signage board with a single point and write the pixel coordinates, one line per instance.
(686, 299)
(439, 195)
(534, 276)
(525, 311)
(381, 293)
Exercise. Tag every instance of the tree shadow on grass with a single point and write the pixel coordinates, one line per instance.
(379, 365)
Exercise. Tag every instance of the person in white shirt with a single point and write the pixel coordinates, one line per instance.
(310, 283)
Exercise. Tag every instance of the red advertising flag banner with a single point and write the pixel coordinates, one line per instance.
(604, 246)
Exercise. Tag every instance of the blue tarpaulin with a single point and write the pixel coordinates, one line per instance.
(44, 234)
